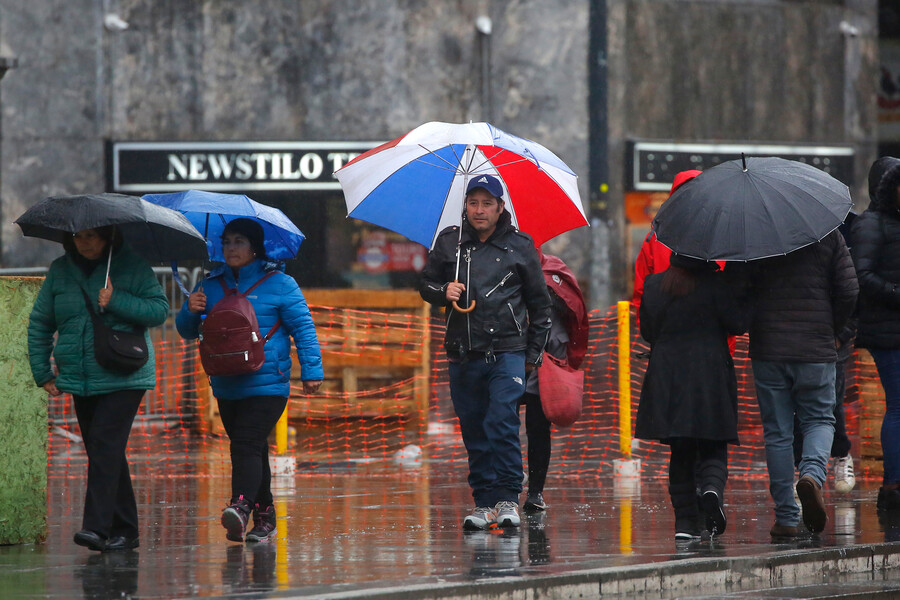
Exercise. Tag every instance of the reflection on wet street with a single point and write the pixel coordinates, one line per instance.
(372, 525)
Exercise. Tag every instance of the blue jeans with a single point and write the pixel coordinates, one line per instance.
(782, 390)
(888, 364)
(486, 400)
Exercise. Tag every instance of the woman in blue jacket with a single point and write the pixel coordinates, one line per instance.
(251, 404)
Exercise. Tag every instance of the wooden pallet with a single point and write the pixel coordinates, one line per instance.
(375, 351)
(376, 355)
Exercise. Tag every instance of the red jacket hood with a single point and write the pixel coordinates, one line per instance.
(682, 178)
(562, 281)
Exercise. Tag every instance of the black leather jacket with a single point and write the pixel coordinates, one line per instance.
(503, 275)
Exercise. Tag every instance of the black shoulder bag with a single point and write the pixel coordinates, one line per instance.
(117, 351)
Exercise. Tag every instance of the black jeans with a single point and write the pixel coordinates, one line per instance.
(699, 463)
(537, 429)
(105, 421)
(840, 447)
(248, 422)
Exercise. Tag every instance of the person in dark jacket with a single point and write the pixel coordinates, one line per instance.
(251, 404)
(876, 253)
(689, 395)
(801, 301)
(490, 348)
(844, 476)
(106, 402)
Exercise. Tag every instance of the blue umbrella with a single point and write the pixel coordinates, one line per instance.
(209, 212)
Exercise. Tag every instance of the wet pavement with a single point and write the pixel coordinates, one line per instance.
(357, 529)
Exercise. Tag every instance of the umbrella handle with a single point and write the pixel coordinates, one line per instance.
(463, 310)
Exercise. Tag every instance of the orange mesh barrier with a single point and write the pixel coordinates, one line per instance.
(386, 398)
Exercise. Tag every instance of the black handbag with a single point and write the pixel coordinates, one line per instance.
(118, 351)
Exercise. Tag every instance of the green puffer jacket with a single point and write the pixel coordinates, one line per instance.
(137, 299)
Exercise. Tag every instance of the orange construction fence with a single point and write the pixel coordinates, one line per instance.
(386, 400)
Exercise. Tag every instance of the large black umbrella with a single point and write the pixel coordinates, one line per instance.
(159, 234)
(752, 208)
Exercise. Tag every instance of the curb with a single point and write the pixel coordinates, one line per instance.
(709, 575)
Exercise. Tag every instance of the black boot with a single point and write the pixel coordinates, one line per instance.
(711, 503)
(687, 514)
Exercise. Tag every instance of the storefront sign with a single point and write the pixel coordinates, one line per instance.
(229, 166)
(379, 254)
(653, 165)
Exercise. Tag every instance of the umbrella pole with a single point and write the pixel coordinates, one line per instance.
(108, 264)
(109, 258)
(459, 249)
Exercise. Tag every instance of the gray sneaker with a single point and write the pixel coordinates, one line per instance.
(507, 514)
(481, 518)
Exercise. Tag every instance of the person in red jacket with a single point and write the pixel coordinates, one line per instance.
(654, 258)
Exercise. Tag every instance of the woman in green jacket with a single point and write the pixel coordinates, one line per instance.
(106, 402)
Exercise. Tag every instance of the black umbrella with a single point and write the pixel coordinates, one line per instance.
(158, 234)
(752, 208)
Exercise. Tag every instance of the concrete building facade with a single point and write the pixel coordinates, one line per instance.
(591, 80)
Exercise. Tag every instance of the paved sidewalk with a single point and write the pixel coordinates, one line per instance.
(386, 530)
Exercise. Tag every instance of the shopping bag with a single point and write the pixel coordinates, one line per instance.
(561, 389)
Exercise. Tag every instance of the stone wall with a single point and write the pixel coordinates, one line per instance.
(797, 72)
(768, 70)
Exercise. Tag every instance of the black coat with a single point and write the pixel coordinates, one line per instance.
(503, 274)
(802, 301)
(690, 388)
(875, 238)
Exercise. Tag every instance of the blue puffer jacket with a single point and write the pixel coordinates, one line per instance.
(277, 297)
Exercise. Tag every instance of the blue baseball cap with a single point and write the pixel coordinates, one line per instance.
(488, 183)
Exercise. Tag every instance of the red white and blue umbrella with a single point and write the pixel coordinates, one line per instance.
(415, 185)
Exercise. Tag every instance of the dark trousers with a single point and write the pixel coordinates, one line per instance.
(105, 421)
(699, 463)
(486, 398)
(840, 446)
(248, 422)
(537, 429)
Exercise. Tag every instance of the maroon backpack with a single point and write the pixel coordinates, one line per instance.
(230, 340)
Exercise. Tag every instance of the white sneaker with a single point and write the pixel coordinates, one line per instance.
(844, 478)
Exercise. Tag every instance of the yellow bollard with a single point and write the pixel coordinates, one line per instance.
(624, 329)
(625, 526)
(281, 431)
(282, 575)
